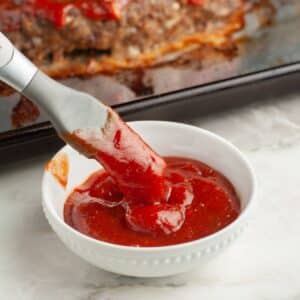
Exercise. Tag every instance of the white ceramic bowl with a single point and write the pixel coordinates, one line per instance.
(166, 138)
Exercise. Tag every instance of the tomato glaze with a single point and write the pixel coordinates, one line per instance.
(136, 168)
(56, 11)
(200, 201)
(59, 168)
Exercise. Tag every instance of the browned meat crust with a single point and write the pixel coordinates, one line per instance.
(146, 31)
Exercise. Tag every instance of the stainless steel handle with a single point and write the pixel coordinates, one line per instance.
(15, 69)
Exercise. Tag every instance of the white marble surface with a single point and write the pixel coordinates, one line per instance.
(263, 264)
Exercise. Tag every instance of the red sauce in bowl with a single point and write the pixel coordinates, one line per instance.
(142, 199)
(199, 202)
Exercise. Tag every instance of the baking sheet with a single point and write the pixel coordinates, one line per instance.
(258, 48)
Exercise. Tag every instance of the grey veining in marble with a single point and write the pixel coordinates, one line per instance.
(263, 264)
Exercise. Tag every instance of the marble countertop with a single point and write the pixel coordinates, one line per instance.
(263, 264)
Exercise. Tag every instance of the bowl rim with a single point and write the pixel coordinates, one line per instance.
(245, 212)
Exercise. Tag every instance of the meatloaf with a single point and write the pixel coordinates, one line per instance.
(82, 37)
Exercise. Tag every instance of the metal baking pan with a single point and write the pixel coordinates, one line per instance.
(265, 62)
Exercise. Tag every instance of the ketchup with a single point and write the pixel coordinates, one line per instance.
(142, 199)
(199, 202)
(138, 170)
(56, 11)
